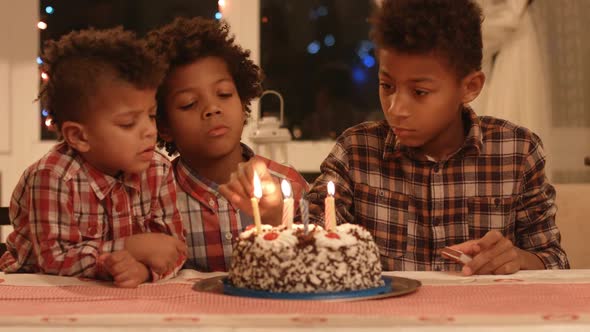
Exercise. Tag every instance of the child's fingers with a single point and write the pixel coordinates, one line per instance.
(260, 167)
(236, 184)
(234, 192)
(271, 187)
(490, 239)
(485, 257)
(118, 268)
(467, 247)
(128, 283)
(181, 248)
(108, 262)
(246, 177)
(122, 276)
(102, 258)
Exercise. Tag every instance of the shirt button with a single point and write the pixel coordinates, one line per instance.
(228, 236)
(211, 202)
(436, 168)
(436, 221)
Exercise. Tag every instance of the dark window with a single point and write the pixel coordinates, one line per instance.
(63, 16)
(317, 54)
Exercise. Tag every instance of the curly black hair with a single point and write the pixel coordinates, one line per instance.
(80, 61)
(449, 28)
(186, 40)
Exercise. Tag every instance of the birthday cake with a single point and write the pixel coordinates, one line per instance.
(289, 259)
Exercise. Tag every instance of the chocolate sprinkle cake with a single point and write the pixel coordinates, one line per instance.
(289, 260)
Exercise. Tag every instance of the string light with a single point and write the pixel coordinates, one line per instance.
(329, 40)
(218, 16)
(313, 47)
(44, 76)
(221, 4)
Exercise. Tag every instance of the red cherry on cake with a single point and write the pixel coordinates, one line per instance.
(249, 227)
(271, 236)
(332, 236)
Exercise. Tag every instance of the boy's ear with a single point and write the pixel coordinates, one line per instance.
(472, 85)
(74, 134)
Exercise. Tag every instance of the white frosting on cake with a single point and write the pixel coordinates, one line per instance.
(287, 260)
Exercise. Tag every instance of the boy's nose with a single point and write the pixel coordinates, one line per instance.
(211, 111)
(152, 130)
(397, 107)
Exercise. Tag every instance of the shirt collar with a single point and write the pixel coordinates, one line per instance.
(472, 145)
(199, 187)
(191, 182)
(102, 183)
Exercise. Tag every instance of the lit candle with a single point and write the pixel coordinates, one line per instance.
(287, 204)
(254, 200)
(330, 209)
(304, 207)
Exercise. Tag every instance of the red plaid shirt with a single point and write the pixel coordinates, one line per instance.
(66, 213)
(212, 221)
(414, 207)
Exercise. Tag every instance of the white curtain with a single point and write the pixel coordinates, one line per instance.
(537, 63)
(516, 88)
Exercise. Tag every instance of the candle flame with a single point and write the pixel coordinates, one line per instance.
(257, 186)
(286, 188)
(331, 188)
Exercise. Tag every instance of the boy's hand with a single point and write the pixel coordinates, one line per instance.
(495, 254)
(240, 189)
(158, 251)
(127, 272)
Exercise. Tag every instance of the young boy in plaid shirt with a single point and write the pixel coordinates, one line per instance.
(101, 203)
(202, 108)
(434, 174)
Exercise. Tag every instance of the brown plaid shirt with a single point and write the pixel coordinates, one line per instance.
(414, 207)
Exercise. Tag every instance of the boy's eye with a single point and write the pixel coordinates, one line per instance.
(420, 93)
(127, 125)
(385, 86)
(225, 95)
(188, 106)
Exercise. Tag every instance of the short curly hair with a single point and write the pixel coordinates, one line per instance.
(80, 61)
(186, 40)
(449, 28)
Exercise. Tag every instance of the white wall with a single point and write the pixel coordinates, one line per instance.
(20, 143)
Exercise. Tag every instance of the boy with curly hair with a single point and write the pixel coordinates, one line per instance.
(433, 174)
(102, 202)
(203, 105)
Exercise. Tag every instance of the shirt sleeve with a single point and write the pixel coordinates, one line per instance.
(56, 235)
(536, 230)
(334, 168)
(167, 218)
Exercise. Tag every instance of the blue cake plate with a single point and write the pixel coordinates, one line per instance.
(393, 286)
